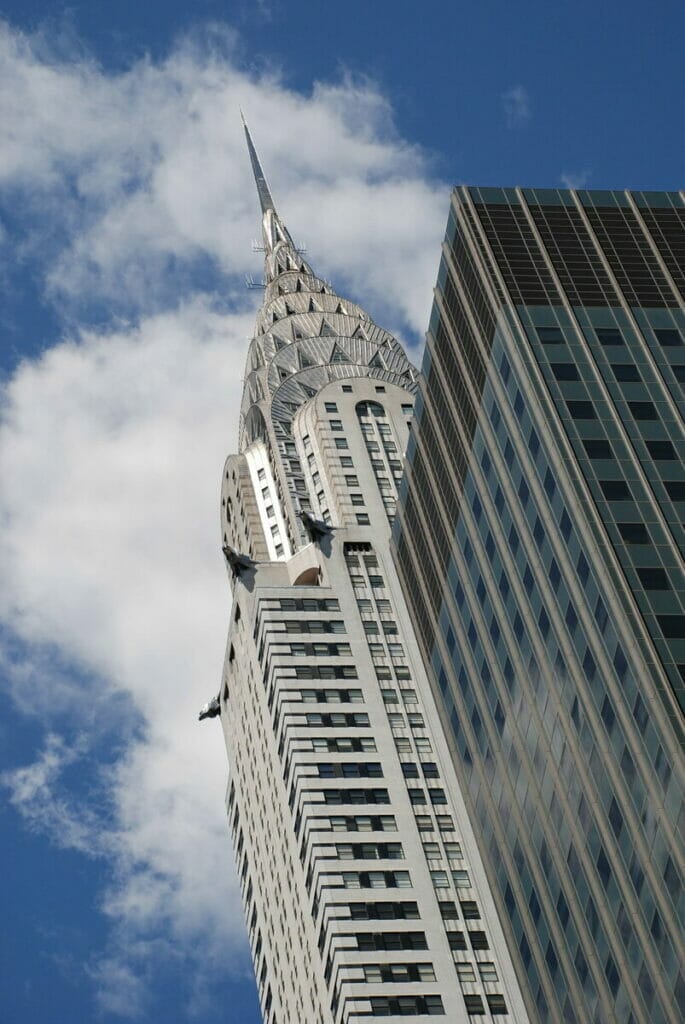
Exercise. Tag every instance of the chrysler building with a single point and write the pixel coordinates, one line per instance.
(363, 891)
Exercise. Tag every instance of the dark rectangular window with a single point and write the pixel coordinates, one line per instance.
(403, 1006)
(565, 371)
(496, 1004)
(661, 450)
(672, 626)
(448, 909)
(382, 911)
(582, 410)
(679, 371)
(565, 525)
(550, 486)
(469, 909)
(669, 337)
(474, 1006)
(550, 335)
(634, 533)
(598, 448)
(626, 372)
(519, 405)
(583, 568)
(643, 410)
(609, 335)
(615, 490)
(653, 578)
(534, 443)
(675, 489)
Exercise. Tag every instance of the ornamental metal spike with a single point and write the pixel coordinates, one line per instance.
(263, 192)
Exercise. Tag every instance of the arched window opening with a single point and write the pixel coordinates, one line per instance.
(366, 409)
(308, 578)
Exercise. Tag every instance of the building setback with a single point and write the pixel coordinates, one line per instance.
(540, 545)
(363, 888)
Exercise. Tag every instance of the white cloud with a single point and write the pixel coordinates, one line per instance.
(575, 179)
(136, 193)
(113, 445)
(32, 790)
(516, 105)
(120, 991)
(146, 173)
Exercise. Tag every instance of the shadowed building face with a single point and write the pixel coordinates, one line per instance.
(540, 546)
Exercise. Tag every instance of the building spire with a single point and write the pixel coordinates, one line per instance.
(280, 251)
(265, 199)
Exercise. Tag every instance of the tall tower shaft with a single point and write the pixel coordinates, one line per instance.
(549, 597)
(363, 891)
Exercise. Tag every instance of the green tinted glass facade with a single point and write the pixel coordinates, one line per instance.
(540, 542)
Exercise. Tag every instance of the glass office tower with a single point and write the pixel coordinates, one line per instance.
(540, 545)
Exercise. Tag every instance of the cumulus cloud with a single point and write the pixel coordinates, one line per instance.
(132, 200)
(111, 445)
(516, 106)
(145, 174)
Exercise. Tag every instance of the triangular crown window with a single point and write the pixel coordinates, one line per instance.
(338, 356)
(326, 330)
(377, 362)
(313, 308)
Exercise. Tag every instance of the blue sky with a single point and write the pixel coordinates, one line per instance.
(126, 217)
